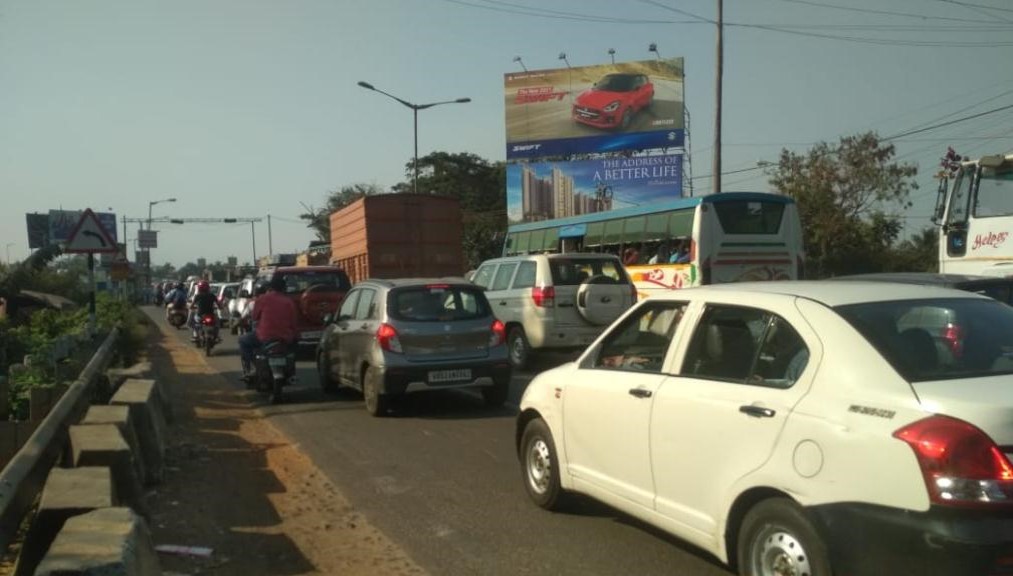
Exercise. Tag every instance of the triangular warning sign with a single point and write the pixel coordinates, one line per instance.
(89, 236)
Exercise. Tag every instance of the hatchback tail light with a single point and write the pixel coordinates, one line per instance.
(498, 335)
(386, 336)
(961, 465)
(544, 296)
(208, 320)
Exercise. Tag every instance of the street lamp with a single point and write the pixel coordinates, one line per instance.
(152, 203)
(562, 56)
(415, 113)
(518, 60)
(612, 54)
(653, 47)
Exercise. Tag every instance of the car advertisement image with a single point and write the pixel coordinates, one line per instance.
(609, 107)
(546, 190)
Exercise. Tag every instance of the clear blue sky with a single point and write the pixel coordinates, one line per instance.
(243, 108)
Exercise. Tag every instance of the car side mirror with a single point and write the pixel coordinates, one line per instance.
(328, 318)
(244, 293)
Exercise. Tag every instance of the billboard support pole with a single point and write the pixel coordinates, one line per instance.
(415, 178)
(716, 178)
(91, 295)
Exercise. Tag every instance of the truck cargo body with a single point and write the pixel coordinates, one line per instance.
(398, 236)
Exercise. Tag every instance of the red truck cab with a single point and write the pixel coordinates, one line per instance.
(316, 291)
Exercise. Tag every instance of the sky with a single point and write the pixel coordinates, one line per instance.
(250, 108)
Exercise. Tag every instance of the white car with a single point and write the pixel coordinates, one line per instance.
(793, 427)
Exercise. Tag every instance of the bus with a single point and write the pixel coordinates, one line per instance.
(975, 218)
(729, 237)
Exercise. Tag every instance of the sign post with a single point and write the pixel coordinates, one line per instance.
(90, 237)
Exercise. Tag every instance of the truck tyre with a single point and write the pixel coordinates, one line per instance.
(518, 347)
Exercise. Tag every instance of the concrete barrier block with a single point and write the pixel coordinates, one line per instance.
(120, 417)
(117, 376)
(68, 492)
(146, 412)
(161, 392)
(107, 542)
(103, 445)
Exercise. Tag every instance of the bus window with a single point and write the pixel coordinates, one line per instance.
(995, 193)
(613, 232)
(595, 230)
(657, 227)
(522, 242)
(551, 240)
(680, 224)
(537, 240)
(508, 247)
(633, 230)
(749, 217)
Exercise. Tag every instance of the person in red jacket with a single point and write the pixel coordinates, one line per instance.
(274, 318)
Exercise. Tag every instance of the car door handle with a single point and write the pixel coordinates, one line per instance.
(640, 393)
(757, 411)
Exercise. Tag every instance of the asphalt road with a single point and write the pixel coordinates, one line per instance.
(441, 479)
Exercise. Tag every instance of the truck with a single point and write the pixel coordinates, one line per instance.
(398, 236)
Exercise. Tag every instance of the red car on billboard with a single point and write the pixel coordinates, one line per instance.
(613, 100)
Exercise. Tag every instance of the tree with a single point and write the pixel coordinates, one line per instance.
(849, 196)
(319, 220)
(919, 253)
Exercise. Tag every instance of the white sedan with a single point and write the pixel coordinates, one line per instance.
(794, 428)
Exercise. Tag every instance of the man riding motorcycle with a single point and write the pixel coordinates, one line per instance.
(176, 298)
(274, 318)
(204, 303)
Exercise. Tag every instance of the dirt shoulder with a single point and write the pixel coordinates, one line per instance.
(235, 484)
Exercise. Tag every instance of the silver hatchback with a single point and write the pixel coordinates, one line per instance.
(394, 337)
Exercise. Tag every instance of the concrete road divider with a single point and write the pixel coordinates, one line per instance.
(141, 396)
(142, 371)
(120, 417)
(69, 492)
(107, 542)
(103, 445)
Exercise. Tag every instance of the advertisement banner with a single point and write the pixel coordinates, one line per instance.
(38, 230)
(62, 223)
(147, 238)
(547, 190)
(604, 108)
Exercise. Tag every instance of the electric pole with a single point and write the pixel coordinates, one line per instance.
(716, 171)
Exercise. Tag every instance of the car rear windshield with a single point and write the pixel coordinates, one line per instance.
(330, 280)
(438, 303)
(566, 272)
(938, 339)
(749, 216)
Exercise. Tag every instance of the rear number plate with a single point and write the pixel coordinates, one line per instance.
(449, 375)
(276, 362)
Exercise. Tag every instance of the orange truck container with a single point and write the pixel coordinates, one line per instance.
(398, 236)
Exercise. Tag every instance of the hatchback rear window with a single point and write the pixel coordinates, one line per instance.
(573, 272)
(749, 216)
(438, 303)
(938, 339)
(330, 280)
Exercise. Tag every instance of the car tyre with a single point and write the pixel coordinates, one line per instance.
(376, 403)
(519, 348)
(496, 394)
(540, 466)
(776, 537)
(324, 374)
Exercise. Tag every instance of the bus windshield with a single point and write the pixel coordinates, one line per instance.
(995, 192)
(750, 217)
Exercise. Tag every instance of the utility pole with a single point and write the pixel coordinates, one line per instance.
(253, 232)
(716, 178)
(270, 243)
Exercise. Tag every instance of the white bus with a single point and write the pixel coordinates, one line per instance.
(975, 216)
(730, 237)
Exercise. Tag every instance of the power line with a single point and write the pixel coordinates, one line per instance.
(971, 5)
(678, 11)
(875, 41)
(559, 15)
(940, 125)
(884, 12)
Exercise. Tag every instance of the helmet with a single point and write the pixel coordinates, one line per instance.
(203, 286)
(180, 286)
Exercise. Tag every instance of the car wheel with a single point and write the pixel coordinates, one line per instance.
(324, 374)
(496, 394)
(376, 403)
(776, 538)
(540, 466)
(627, 119)
(520, 350)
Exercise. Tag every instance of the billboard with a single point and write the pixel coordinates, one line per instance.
(63, 222)
(592, 109)
(38, 230)
(547, 190)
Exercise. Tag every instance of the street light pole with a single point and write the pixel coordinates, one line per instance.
(415, 113)
(8, 249)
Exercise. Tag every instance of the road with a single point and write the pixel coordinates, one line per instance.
(442, 480)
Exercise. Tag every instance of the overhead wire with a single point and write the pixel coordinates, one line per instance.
(883, 12)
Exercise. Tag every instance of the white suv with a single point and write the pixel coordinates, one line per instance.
(559, 301)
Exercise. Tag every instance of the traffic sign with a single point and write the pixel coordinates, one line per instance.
(89, 236)
(147, 239)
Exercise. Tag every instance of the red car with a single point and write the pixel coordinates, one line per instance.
(316, 290)
(613, 100)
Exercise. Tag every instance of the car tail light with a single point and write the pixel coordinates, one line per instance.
(386, 336)
(208, 320)
(498, 335)
(544, 296)
(953, 335)
(961, 465)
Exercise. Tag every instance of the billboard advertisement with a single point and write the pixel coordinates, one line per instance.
(147, 238)
(592, 109)
(546, 190)
(63, 222)
(38, 230)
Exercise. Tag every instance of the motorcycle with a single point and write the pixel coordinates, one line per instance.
(177, 317)
(273, 369)
(207, 333)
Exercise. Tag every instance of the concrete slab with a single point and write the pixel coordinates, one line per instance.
(142, 398)
(107, 542)
(103, 445)
(120, 417)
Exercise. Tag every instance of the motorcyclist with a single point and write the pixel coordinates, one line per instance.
(176, 298)
(204, 303)
(274, 318)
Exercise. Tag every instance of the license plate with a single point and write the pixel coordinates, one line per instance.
(437, 376)
(276, 362)
(311, 335)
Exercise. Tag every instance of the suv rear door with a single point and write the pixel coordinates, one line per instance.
(589, 290)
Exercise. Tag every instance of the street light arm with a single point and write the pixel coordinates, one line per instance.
(369, 86)
(431, 104)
